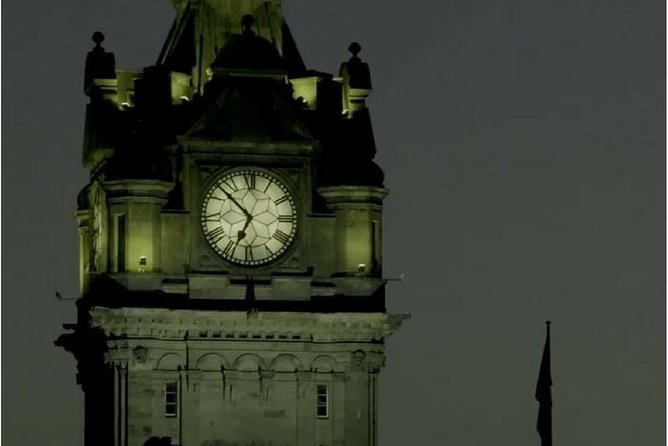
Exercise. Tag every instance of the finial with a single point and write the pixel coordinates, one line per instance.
(354, 48)
(98, 38)
(246, 23)
(548, 323)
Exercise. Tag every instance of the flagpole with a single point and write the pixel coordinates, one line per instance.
(544, 393)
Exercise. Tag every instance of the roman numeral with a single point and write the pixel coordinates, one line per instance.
(281, 236)
(271, 253)
(286, 218)
(248, 253)
(212, 217)
(228, 248)
(281, 200)
(216, 234)
(230, 184)
(249, 178)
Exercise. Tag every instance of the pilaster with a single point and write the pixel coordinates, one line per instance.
(305, 408)
(83, 224)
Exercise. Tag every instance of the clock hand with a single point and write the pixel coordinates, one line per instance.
(242, 234)
(243, 210)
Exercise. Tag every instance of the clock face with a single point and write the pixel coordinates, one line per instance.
(249, 217)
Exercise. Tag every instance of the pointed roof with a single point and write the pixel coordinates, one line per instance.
(177, 52)
(202, 28)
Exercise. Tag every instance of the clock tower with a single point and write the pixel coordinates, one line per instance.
(230, 242)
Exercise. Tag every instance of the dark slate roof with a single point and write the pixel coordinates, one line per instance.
(249, 52)
(291, 56)
(138, 163)
(178, 52)
(248, 109)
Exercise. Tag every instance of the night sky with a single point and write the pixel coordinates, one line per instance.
(524, 145)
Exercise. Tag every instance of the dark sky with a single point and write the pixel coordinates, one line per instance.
(523, 142)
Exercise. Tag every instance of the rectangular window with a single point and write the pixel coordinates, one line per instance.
(170, 399)
(120, 243)
(375, 249)
(322, 401)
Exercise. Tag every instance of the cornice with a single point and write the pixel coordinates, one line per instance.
(245, 326)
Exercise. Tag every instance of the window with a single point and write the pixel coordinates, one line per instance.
(322, 401)
(170, 399)
(120, 243)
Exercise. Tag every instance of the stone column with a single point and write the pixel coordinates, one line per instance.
(121, 404)
(358, 211)
(373, 407)
(361, 398)
(185, 411)
(357, 401)
(140, 203)
(83, 221)
(305, 408)
(338, 404)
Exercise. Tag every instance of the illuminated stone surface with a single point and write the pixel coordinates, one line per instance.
(231, 243)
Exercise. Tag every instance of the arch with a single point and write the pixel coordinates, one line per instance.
(169, 361)
(323, 364)
(210, 362)
(248, 362)
(286, 363)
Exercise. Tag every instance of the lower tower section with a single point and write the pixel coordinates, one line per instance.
(222, 378)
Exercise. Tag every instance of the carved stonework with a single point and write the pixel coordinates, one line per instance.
(292, 327)
(357, 361)
(370, 362)
(265, 385)
(140, 354)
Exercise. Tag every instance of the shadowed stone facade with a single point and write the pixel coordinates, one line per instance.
(230, 242)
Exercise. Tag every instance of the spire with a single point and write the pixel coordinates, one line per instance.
(203, 27)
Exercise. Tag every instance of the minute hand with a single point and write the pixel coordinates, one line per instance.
(245, 212)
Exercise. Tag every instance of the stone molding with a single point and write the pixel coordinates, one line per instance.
(149, 190)
(240, 365)
(239, 325)
(338, 343)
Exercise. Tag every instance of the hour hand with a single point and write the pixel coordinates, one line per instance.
(242, 234)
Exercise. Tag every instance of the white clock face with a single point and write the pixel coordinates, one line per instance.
(249, 217)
